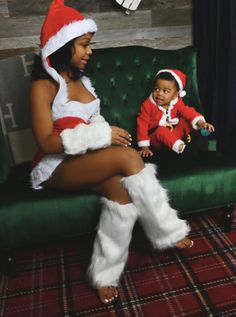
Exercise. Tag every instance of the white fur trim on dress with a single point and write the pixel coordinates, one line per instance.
(195, 121)
(51, 71)
(111, 244)
(88, 84)
(44, 169)
(84, 137)
(97, 118)
(160, 222)
(63, 107)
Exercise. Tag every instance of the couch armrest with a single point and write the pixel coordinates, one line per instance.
(4, 159)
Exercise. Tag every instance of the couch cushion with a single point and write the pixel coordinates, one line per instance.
(198, 182)
(194, 184)
(27, 215)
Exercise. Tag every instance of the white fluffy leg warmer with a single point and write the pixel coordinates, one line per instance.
(160, 222)
(111, 243)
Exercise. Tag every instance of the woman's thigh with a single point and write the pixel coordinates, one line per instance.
(93, 168)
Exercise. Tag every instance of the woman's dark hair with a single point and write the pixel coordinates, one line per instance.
(60, 60)
(167, 76)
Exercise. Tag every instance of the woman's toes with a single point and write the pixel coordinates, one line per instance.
(185, 243)
(107, 294)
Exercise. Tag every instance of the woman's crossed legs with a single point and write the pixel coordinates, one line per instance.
(101, 171)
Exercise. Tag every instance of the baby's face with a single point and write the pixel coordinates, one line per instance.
(164, 92)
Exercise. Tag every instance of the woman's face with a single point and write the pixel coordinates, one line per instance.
(81, 51)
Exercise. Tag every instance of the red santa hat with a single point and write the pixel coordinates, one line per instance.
(179, 76)
(61, 25)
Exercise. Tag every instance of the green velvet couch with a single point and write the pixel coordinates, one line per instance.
(123, 78)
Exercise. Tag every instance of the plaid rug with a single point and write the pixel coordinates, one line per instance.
(196, 282)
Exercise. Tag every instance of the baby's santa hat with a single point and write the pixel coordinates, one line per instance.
(179, 76)
(61, 25)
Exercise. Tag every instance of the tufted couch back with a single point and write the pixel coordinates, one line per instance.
(123, 78)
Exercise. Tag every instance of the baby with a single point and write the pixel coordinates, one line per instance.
(164, 119)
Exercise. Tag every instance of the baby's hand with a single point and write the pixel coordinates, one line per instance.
(145, 152)
(207, 126)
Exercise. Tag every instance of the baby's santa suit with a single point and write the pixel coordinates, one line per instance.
(151, 117)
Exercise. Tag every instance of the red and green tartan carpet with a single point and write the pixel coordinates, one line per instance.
(197, 282)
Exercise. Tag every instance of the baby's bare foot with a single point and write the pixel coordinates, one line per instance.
(107, 294)
(181, 147)
(185, 243)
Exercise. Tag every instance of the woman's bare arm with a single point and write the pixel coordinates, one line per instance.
(42, 94)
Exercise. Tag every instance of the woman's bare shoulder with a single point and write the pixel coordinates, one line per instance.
(44, 88)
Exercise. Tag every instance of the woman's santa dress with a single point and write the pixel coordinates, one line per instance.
(65, 114)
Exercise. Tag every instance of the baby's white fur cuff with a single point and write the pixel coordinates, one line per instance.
(144, 143)
(195, 121)
(176, 145)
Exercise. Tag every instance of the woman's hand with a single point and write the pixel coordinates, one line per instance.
(145, 152)
(120, 136)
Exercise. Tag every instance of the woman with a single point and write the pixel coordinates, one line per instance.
(80, 150)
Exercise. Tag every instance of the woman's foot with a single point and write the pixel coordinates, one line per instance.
(107, 294)
(185, 243)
